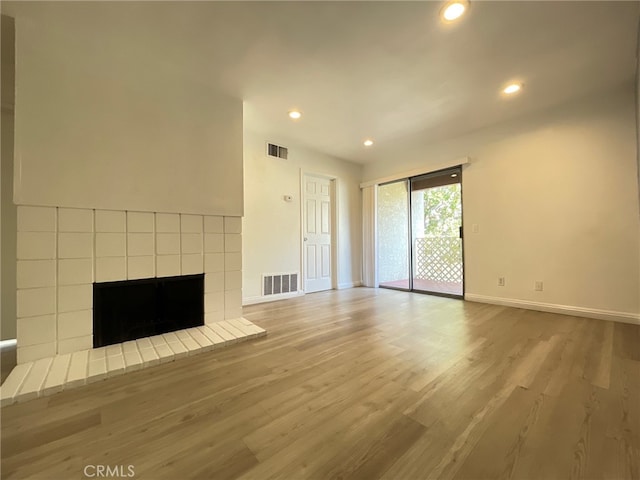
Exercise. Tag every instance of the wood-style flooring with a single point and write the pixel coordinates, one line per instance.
(362, 384)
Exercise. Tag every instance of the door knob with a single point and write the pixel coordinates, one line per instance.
(305, 239)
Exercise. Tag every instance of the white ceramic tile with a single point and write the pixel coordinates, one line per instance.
(111, 245)
(34, 381)
(75, 220)
(165, 354)
(233, 261)
(170, 337)
(75, 245)
(232, 242)
(132, 360)
(70, 345)
(189, 343)
(32, 353)
(36, 219)
(232, 300)
(113, 350)
(33, 302)
(36, 246)
(213, 317)
(140, 267)
(236, 332)
(139, 244)
(13, 383)
(75, 324)
(157, 340)
(213, 243)
(149, 357)
(97, 353)
(252, 326)
(192, 264)
(178, 349)
(221, 332)
(97, 370)
(139, 222)
(167, 243)
(202, 340)
(75, 271)
(110, 221)
(246, 329)
(213, 302)
(233, 280)
(191, 223)
(143, 343)
(191, 243)
(232, 224)
(36, 273)
(109, 269)
(216, 339)
(57, 375)
(167, 265)
(75, 297)
(115, 365)
(36, 330)
(129, 346)
(232, 312)
(167, 223)
(214, 282)
(213, 224)
(78, 368)
(214, 262)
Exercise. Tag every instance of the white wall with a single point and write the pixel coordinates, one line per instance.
(271, 226)
(555, 198)
(100, 124)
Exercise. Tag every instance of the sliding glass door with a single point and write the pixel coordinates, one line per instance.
(419, 234)
(393, 235)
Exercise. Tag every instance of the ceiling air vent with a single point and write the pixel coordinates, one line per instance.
(277, 151)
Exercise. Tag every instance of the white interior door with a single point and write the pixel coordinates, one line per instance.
(317, 233)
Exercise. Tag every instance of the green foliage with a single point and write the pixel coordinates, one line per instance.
(442, 211)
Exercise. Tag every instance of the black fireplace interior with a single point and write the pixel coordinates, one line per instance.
(134, 309)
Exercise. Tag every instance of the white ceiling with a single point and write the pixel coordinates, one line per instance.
(386, 70)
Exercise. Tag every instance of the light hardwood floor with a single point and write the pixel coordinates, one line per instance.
(360, 384)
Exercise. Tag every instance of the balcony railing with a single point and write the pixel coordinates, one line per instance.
(438, 259)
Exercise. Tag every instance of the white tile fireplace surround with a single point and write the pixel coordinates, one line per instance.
(62, 251)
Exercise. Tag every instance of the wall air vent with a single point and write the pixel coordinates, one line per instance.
(274, 284)
(277, 151)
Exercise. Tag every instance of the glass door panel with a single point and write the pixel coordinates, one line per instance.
(436, 221)
(393, 235)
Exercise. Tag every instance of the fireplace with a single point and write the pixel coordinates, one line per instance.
(132, 309)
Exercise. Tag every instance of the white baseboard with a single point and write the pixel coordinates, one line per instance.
(271, 298)
(342, 286)
(624, 317)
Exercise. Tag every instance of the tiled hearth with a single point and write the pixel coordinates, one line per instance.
(62, 251)
(50, 375)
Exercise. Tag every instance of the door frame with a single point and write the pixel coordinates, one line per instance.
(333, 195)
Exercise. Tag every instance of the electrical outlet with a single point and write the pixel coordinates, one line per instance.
(501, 281)
(538, 286)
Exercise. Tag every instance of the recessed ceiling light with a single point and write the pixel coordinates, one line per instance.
(512, 88)
(454, 10)
(295, 114)
(368, 143)
(454, 175)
